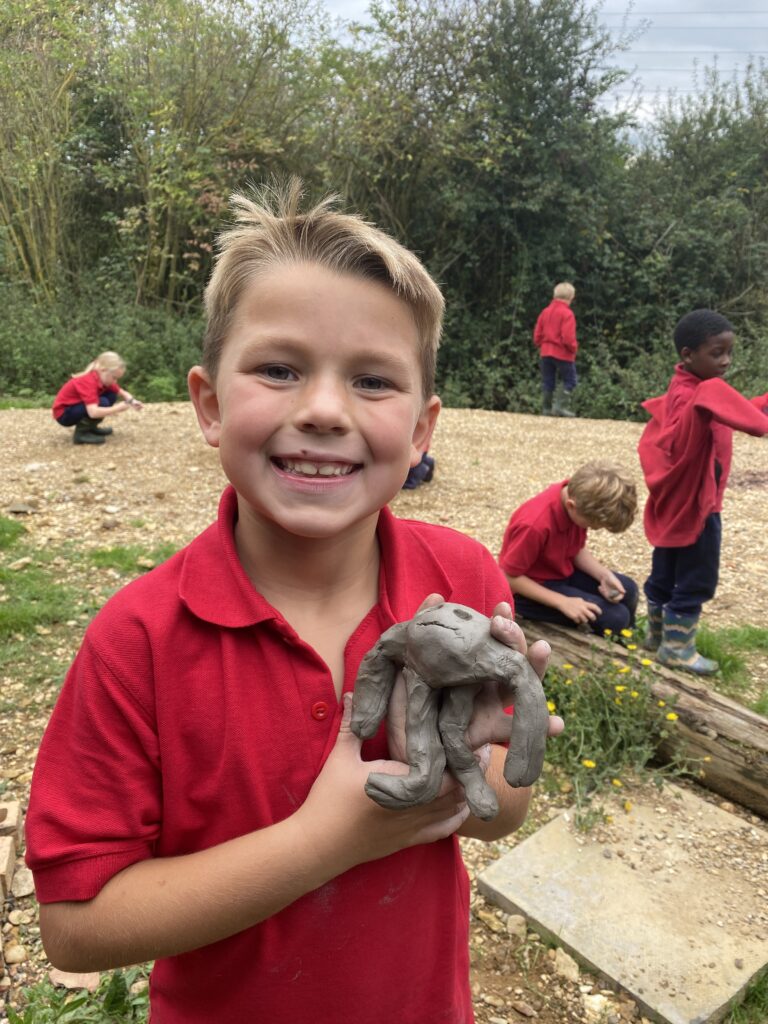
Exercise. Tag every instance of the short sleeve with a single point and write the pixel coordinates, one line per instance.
(96, 798)
(521, 549)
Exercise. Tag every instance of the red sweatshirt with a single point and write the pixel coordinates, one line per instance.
(690, 432)
(555, 331)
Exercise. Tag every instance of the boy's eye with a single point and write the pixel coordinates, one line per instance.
(277, 372)
(370, 383)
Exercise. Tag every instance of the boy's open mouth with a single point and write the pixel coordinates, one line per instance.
(303, 467)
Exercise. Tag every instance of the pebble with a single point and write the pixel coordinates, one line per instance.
(23, 884)
(16, 954)
(566, 966)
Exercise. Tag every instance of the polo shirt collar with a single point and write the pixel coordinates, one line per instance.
(215, 587)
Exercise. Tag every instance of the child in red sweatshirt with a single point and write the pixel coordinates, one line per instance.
(685, 451)
(555, 338)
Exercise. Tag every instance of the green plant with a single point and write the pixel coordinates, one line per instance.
(753, 1009)
(121, 998)
(613, 727)
(32, 601)
(728, 647)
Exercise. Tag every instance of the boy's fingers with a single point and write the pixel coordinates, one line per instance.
(508, 632)
(430, 601)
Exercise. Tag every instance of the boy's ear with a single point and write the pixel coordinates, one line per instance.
(685, 354)
(422, 432)
(202, 391)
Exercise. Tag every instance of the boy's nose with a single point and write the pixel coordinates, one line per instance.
(324, 407)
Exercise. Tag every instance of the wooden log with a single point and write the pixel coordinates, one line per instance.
(710, 725)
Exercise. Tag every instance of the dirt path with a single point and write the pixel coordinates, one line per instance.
(156, 479)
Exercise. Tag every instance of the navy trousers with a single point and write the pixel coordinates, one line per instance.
(74, 413)
(615, 617)
(552, 368)
(682, 579)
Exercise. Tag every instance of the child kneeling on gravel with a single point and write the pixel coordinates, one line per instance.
(89, 397)
(553, 575)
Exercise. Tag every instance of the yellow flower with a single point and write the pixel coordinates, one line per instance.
(551, 707)
(634, 693)
(707, 758)
(627, 806)
(568, 682)
(619, 688)
(626, 632)
(588, 764)
(646, 662)
(617, 782)
(566, 666)
(671, 716)
(662, 703)
(607, 632)
(617, 700)
(631, 647)
(624, 668)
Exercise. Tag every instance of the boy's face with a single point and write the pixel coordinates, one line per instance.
(317, 408)
(712, 358)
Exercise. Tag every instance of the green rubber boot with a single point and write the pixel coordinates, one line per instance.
(546, 403)
(84, 434)
(97, 428)
(678, 645)
(655, 627)
(564, 404)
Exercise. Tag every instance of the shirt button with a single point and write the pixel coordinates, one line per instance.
(319, 710)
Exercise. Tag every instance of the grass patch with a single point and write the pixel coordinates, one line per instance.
(121, 998)
(30, 601)
(728, 647)
(130, 558)
(10, 531)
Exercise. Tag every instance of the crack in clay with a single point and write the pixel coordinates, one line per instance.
(445, 666)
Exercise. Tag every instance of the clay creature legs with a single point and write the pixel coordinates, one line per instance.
(455, 714)
(423, 750)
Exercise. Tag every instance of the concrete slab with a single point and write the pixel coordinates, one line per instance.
(668, 902)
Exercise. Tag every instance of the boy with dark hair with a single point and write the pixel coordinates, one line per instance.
(685, 451)
(555, 338)
(199, 798)
(553, 575)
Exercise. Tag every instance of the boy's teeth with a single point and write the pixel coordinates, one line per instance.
(313, 469)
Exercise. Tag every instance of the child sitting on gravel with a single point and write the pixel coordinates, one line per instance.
(553, 575)
(89, 397)
(685, 452)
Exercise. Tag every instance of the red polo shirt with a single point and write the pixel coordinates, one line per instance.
(194, 713)
(690, 434)
(86, 388)
(541, 539)
(555, 331)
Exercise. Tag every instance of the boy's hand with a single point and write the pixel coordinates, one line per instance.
(345, 826)
(610, 587)
(578, 610)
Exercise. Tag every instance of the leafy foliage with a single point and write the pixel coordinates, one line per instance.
(122, 998)
(476, 131)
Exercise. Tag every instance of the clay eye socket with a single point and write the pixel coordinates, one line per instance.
(461, 614)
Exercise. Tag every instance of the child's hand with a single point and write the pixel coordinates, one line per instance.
(347, 828)
(579, 610)
(610, 587)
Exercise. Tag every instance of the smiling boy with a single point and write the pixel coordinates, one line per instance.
(686, 452)
(199, 796)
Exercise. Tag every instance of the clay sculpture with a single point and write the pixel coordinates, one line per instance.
(447, 655)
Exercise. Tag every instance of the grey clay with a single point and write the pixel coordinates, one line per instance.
(447, 655)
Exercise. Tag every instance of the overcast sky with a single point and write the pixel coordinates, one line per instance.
(679, 35)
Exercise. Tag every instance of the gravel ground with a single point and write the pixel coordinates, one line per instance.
(156, 481)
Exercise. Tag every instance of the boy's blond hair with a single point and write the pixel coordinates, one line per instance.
(109, 361)
(605, 495)
(271, 232)
(564, 290)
